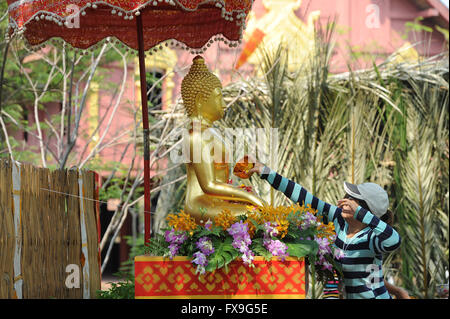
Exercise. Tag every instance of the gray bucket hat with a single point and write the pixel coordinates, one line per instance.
(373, 194)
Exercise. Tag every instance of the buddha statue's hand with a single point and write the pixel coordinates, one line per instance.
(257, 201)
(249, 196)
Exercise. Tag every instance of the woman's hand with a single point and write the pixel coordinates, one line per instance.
(398, 292)
(348, 206)
(258, 166)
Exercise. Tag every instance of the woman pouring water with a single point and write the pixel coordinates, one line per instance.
(362, 230)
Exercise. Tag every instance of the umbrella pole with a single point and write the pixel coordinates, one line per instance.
(147, 203)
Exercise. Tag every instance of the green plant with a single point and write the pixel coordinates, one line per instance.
(124, 289)
(424, 222)
(120, 290)
(416, 26)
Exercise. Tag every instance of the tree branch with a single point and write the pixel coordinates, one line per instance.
(5, 55)
(82, 103)
(6, 137)
(122, 89)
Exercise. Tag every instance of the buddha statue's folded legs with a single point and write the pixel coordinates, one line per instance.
(206, 207)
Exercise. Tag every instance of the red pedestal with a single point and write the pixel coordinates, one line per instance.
(160, 278)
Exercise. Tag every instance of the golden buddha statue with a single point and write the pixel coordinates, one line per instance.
(208, 191)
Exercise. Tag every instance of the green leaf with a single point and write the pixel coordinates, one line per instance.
(216, 231)
(212, 265)
(221, 260)
(157, 246)
(443, 31)
(336, 266)
(309, 232)
(228, 257)
(259, 249)
(223, 254)
(302, 248)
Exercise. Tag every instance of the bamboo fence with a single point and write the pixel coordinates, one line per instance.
(48, 232)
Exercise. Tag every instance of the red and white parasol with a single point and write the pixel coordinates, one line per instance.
(141, 25)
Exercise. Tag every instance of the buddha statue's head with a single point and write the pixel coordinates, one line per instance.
(201, 91)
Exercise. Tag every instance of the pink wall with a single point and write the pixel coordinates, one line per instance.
(355, 29)
(357, 21)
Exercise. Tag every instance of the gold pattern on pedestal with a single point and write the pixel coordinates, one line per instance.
(239, 281)
(290, 286)
(208, 167)
(146, 279)
(193, 286)
(298, 278)
(288, 271)
(282, 26)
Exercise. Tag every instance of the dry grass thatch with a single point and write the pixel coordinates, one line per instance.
(49, 234)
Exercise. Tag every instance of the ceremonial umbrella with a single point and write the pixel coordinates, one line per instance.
(142, 25)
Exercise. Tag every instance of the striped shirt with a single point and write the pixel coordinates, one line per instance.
(362, 261)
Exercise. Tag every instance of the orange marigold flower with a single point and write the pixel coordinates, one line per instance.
(326, 230)
(251, 228)
(181, 222)
(256, 216)
(225, 219)
(282, 227)
(276, 215)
